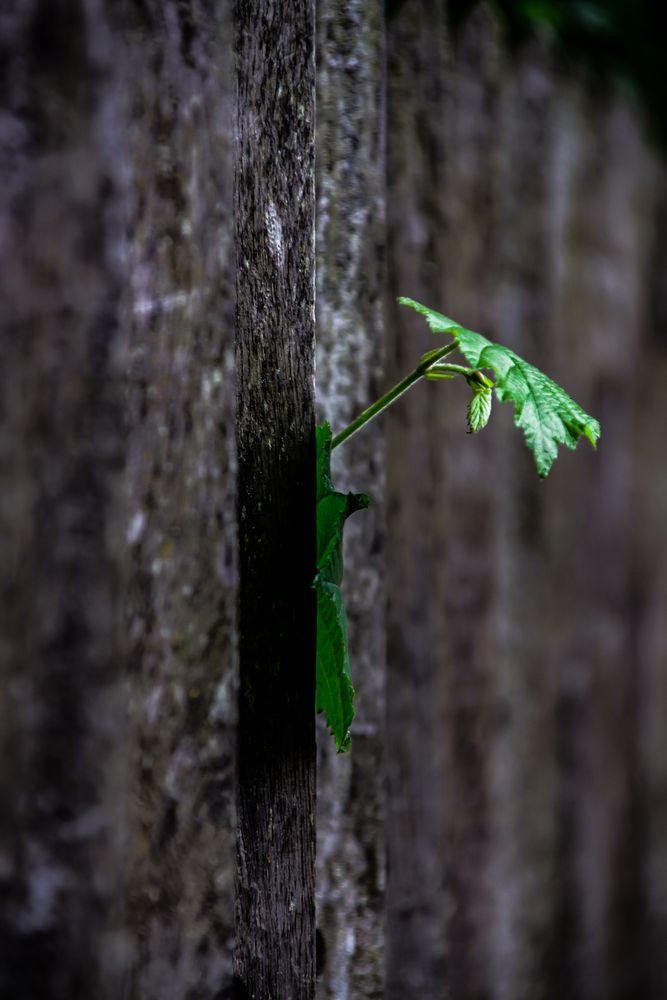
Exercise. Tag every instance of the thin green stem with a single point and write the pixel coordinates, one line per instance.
(443, 371)
(432, 358)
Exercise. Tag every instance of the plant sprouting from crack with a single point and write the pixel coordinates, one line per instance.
(544, 412)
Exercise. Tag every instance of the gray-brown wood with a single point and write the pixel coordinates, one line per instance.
(274, 221)
(529, 209)
(649, 589)
(467, 477)
(499, 273)
(62, 795)
(416, 940)
(350, 356)
(180, 529)
(597, 594)
(525, 633)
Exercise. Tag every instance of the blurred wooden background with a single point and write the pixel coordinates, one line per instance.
(499, 831)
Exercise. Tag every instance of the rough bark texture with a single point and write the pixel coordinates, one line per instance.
(181, 599)
(62, 800)
(275, 217)
(350, 241)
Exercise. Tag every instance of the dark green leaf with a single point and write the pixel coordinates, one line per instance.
(334, 691)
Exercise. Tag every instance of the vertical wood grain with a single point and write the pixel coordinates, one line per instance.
(275, 288)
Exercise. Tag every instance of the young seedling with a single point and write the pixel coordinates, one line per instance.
(544, 412)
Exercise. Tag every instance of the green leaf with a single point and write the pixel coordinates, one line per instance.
(437, 322)
(544, 411)
(323, 451)
(479, 409)
(334, 691)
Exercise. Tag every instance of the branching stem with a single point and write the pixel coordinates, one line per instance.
(431, 359)
(448, 371)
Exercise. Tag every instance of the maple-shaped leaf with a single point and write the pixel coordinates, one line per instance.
(544, 412)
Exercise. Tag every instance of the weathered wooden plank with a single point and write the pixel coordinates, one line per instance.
(416, 939)
(62, 793)
(274, 224)
(350, 355)
(181, 589)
